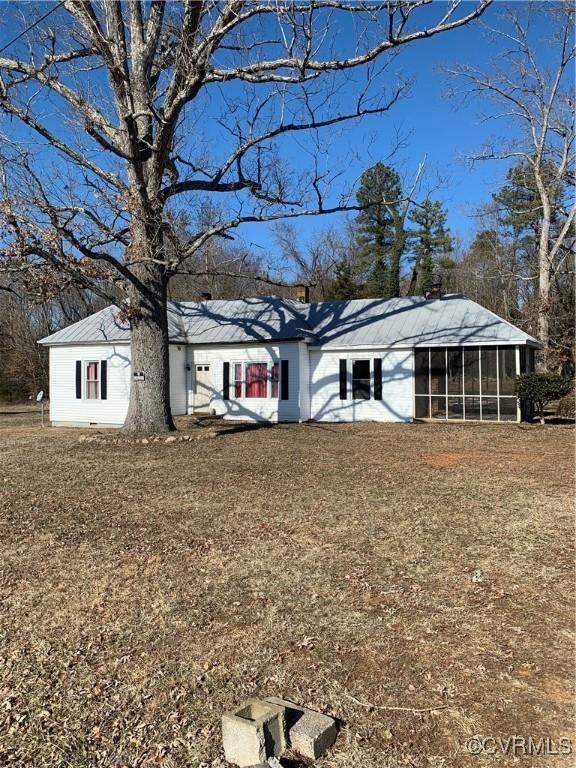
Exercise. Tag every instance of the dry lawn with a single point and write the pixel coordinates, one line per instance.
(146, 588)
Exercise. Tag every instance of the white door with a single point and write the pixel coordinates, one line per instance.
(203, 387)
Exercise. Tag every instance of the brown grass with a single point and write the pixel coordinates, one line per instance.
(147, 588)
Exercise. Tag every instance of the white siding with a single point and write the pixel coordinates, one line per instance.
(248, 409)
(397, 386)
(178, 394)
(65, 408)
(304, 381)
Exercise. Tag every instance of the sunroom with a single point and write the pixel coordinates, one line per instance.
(469, 383)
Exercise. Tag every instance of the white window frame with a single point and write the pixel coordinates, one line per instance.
(98, 380)
(243, 363)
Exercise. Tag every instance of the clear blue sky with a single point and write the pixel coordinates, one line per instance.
(444, 131)
(433, 126)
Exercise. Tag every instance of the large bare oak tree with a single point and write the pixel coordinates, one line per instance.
(120, 113)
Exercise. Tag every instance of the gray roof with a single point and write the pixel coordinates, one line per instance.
(410, 321)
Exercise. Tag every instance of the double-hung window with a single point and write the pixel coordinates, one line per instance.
(361, 379)
(238, 380)
(92, 386)
(274, 380)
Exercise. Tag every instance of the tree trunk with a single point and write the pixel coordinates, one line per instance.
(543, 298)
(149, 407)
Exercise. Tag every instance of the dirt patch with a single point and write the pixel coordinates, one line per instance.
(146, 588)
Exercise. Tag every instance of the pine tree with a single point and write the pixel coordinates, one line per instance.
(431, 241)
(344, 286)
(381, 235)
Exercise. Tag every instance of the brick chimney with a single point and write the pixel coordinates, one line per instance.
(303, 293)
(435, 291)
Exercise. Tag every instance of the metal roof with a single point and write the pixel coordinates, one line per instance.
(410, 321)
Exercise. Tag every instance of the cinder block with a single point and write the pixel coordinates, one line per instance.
(310, 733)
(253, 732)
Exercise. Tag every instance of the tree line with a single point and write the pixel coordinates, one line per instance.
(92, 190)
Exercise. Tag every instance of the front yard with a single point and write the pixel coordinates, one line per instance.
(415, 581)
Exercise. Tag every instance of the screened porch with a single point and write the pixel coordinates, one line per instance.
(472, 383)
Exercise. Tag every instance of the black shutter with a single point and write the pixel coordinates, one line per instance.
(343, 380)
(78, 379)
(377, 378)
(226, 381)
(103, 379)
(284, 383)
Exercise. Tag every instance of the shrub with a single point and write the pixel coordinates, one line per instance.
(541, 388)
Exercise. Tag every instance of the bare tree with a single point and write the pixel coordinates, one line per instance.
(138, 105)
(532, 88)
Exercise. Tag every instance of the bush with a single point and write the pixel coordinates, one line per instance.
(541, 388)
(567, 407)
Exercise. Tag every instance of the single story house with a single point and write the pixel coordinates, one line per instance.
(276, 359)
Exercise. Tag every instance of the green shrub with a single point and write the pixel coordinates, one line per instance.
(541, 388)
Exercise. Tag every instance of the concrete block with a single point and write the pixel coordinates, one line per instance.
(310, 733)
(253, 732)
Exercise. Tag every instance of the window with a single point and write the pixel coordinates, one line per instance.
(92, 381)
(237, 379)
(475, 383)
(256, 379)
(361, 379)
(251, 380)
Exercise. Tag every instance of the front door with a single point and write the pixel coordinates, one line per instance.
(203, 387)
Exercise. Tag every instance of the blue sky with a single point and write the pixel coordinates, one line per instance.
(434, 128)
(440, 130)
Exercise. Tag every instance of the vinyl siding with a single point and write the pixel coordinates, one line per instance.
(304, 381)
(178, 377)
(397, 387)
(248, 409)
(65, 408)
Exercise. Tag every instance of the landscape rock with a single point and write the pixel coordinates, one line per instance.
(310, 733)
(170, 439)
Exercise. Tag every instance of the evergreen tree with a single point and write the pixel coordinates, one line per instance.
(344, 286)
(381, 235)
(431, 241)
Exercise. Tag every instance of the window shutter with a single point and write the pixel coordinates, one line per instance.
(284, 383)
(78, 379)
(226, 381)
(343, 380)
(377, 378)
(103, 379)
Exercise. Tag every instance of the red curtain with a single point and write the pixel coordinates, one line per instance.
(256, 379)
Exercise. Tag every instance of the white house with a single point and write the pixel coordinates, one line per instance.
(274, 359)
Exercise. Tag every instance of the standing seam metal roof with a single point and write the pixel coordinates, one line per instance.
(408, 321)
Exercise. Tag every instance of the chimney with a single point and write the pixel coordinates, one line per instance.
(205, 296)
(435, 291)
(303, 294)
